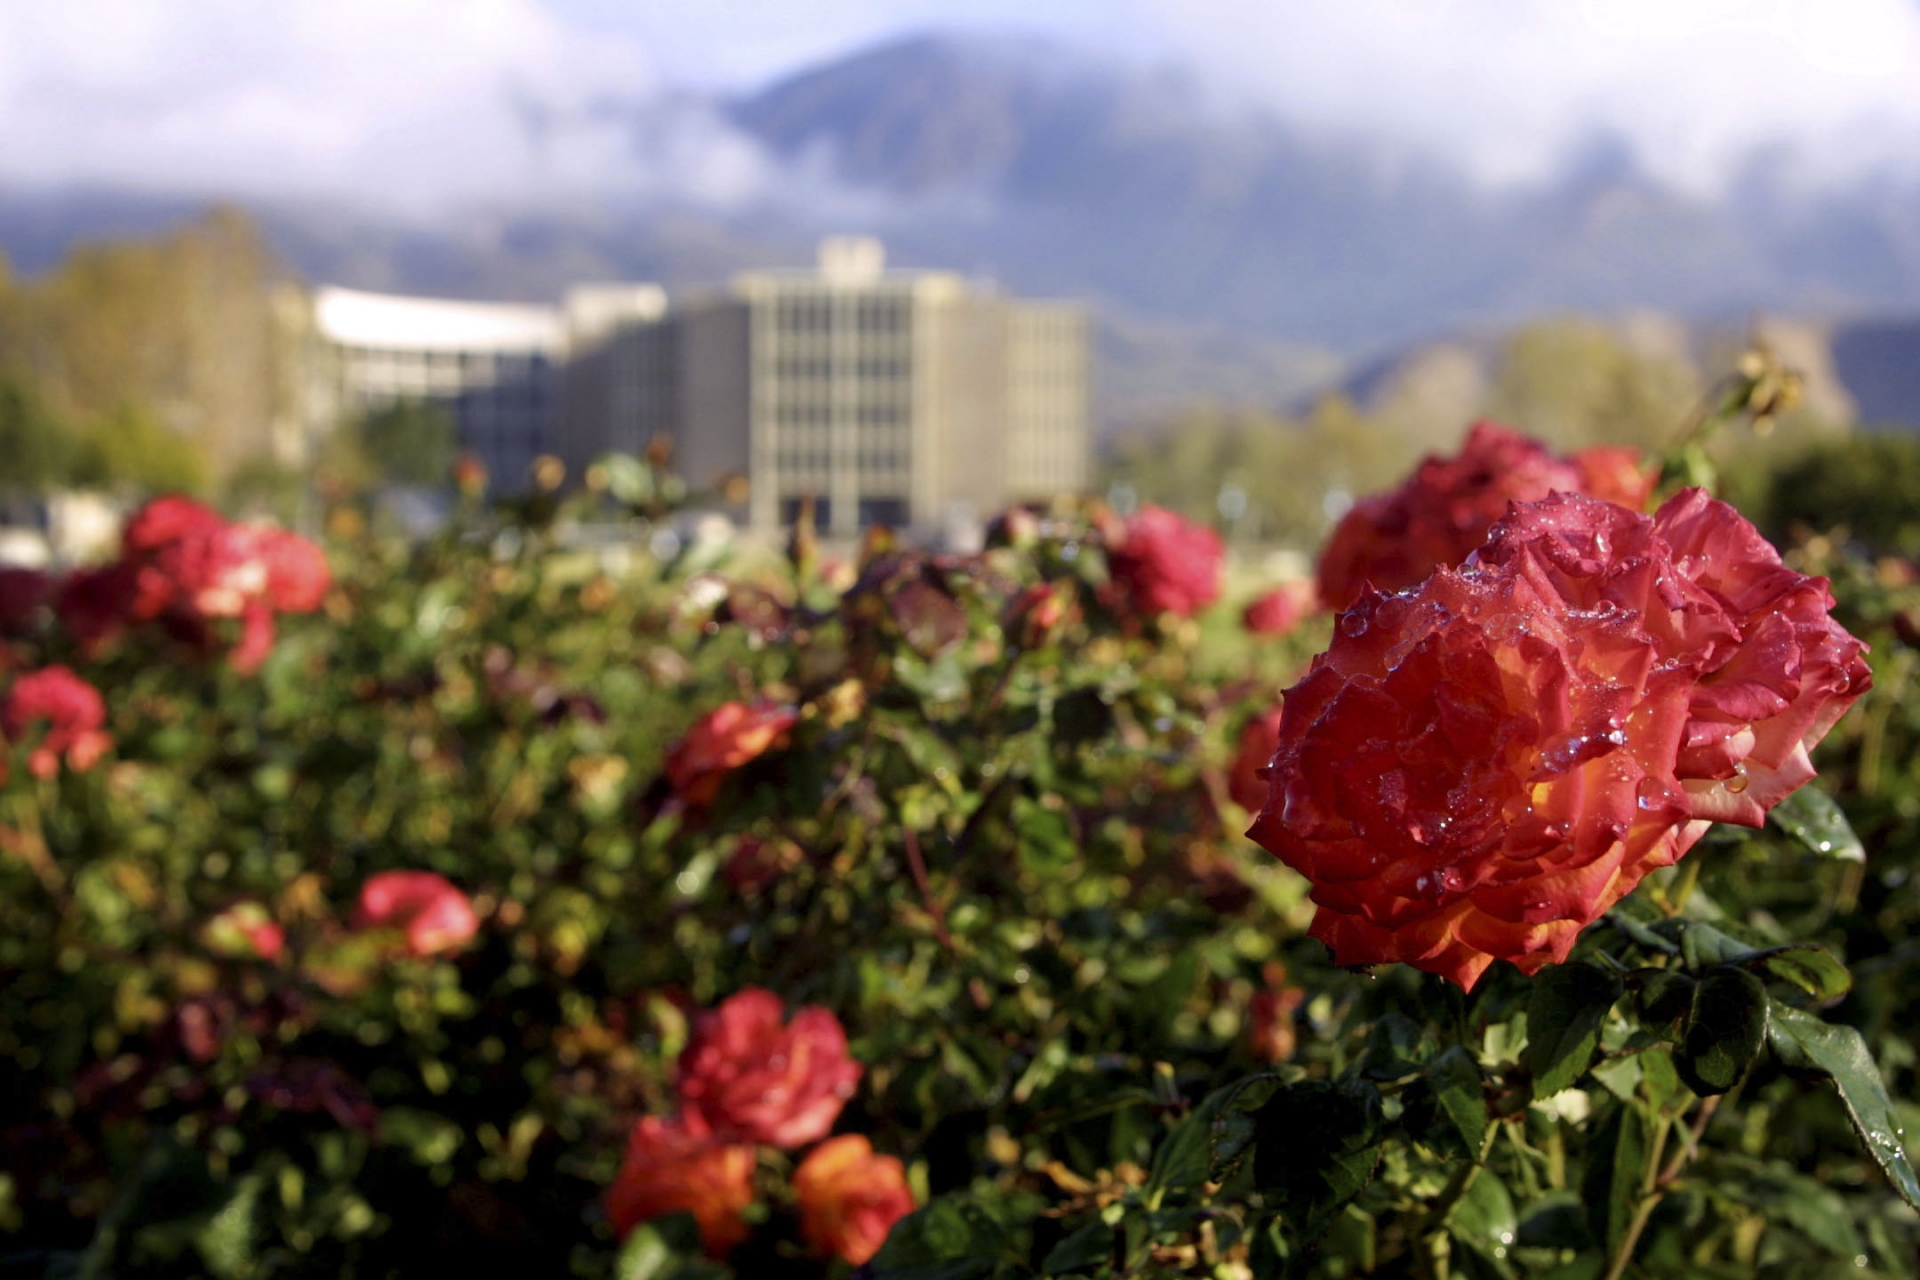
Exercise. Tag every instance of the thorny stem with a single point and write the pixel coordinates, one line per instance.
(1430, 1253)
(1650, 1192)
(1656, 1179)
(918, 865)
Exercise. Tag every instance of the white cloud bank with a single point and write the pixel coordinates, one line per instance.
(1511, 87)
(422, 102)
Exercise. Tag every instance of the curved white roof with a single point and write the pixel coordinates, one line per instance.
(391, 322)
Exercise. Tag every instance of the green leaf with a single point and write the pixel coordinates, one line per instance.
(1725, 1029)
(1810, 967)
(1047, 846)
(1460, 1099)
(1088, 1247)
(1616, 1166)
(1317, 1145)
(1813, 969)
(1805, 1043)
(1215, 1134)
(1484, 1218)
(1563, 1023)
(226, 1242)
(1810, 816)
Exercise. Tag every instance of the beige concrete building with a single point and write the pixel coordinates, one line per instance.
(905, 398)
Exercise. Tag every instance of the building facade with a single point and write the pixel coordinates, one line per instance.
(903, 398)
(517, 380)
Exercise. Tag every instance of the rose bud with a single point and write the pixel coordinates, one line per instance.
(850, 1197)
(1279, 611)
(1271, 1036)
(1164, 563)
(675, 1165)
(1035, 616)
(1477, 768)
(723, 740)
(1443, 510)
(244, 929)
(72, 711)
(470, 475)
(751, 1078)
(435, 916)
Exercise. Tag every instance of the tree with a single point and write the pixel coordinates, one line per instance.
(409, 442)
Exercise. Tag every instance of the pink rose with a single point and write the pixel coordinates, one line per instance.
(435, 916)
(1478, 768)
(751, 1077)
(1164, 563)
(1443, 510)
(1282, 609)
(72, 712)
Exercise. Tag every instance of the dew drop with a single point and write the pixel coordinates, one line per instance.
(1353, 623)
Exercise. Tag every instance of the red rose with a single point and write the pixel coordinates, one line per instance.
(749, 1077)
(93, 604)
(1443, 511)
(723, 740)
(674, 1165)
(1478, 768)
(1247, 779)
(435, 916)
(1279, 611)
(850, 1198)
(72, 711)
(1164, 563)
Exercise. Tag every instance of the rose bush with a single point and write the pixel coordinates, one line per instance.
(1088, 1017)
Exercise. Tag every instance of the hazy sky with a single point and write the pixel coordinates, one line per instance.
(425, 100)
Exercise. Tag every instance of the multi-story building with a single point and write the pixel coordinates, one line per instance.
(904, 398)
(515, 378)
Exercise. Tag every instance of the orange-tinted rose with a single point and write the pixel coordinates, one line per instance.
(850, 1197)
(1247, 779)
(751, 1076)
(1477, 768)
(1282, 609)
(435, 916)
(71, 711)
(723, 740)
(1164, 563)
(675, 1165)
(1443, 511)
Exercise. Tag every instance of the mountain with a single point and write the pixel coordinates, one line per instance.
(1227, 251)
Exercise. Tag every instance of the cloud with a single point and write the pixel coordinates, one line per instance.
(1513, 87)
(406, 101)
